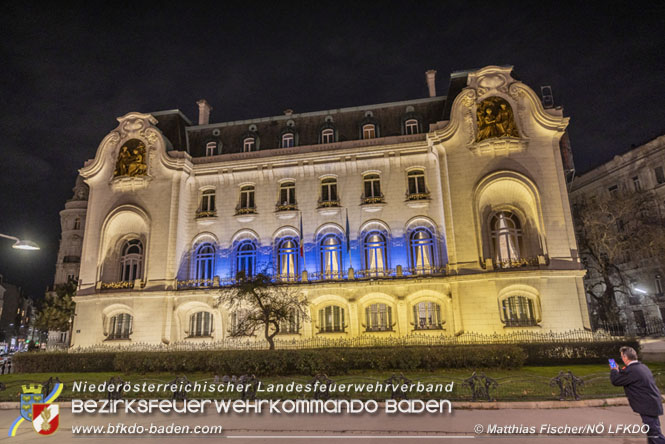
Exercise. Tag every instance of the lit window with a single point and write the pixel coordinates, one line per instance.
(518, 311)
(207, 207)
(331, 319)
(372, 189)
(411, 126)
(427, 316)
(120, 326)
(287, 256)
(205, 262)
(288, 140)
(246, 204)
(421, 244)
(327, 136)
(416, 183)
(369, 131)
(378, 317)
(331, 257)
(287, 196)
(375, 254)
(200, 324)
(246, 258)
(249, 144)
(211, 148)
(506, 238)
(290, 325)
(329, 192)
(131, 261)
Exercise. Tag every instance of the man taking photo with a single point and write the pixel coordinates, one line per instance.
(641, 390)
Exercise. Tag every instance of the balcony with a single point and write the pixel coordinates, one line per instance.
(417, 196)
(417, 200)
(286, 210)
(200, 214)
(328, 207)
(517, 263)
(119, 285)
(245, 214)
(372, 204)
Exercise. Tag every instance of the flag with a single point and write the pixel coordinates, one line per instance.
(302, 251)
(348, 232)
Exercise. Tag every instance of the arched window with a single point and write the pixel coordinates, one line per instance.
(287, 256)
(331, 257)
(331, 319)
(211, 148)
(77, 223)
(246, 258)
(205, 262)
(200, 324)
(288, 140)
(207, 207)
(131, 262)
(375, 254)
(120, 326)
(411, 126)
(369, 131)
(287, 196)
(328, 135)
(329, 196)
(372, 189)
(421, 243)
(518, 311)
(427, 316)
(246, 203)
(291, 324)
(416, 183)
(378, 317)
(249, 144)
(240, 324)
(506, 238)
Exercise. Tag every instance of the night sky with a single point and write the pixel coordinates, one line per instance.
(68, 72)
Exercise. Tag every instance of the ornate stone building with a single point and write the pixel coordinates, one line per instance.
(438, 215)
(72, 223)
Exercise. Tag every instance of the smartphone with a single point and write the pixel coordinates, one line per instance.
(613, 363)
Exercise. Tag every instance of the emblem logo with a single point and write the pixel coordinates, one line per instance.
(46, 418)
(32, 394)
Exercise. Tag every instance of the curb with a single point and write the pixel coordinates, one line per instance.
(524, 405)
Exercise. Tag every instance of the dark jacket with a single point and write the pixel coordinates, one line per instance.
(640, 387)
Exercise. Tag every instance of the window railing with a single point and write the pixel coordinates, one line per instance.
(286, 207)
(195, 283)
(71, 259)
(328, 276)
(372, 200)
(287, 277)
(328, 203)
(117, 285)
(517, 263)
(333, 329)
(426, 270)
(428, 326)
(379, 328)
(245, 210)
(417, 196)
(201, 214)
(374, 272)
(118, 336)
(524, 322)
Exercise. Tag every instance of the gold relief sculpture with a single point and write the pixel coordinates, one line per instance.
(495, 119)
(131, 159)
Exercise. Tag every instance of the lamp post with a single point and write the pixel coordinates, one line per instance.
(21, 244)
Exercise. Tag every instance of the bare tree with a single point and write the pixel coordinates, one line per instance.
(614, 235)
(260, 304)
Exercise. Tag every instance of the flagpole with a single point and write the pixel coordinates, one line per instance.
(348, 239)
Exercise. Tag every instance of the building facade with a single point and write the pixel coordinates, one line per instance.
(640, 170)
(72, 224)
(440, 215)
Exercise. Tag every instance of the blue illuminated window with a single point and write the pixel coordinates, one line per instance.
(375, 253)
(246, 258)
(287, 257)
(421, 245)
(205, 262)
(331, 257)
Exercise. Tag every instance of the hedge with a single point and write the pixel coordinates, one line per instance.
(332, 361)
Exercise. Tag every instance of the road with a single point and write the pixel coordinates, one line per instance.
(456, 427)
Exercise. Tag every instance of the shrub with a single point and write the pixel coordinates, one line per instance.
(575, 352)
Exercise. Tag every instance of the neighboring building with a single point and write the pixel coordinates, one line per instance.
(458, 219)
(640, 169)
(16, 316)
(72, 223)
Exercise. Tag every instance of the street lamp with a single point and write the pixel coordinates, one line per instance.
(21, 244)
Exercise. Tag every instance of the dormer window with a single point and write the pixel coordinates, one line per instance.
(288, 140)
(249, 144)
(211, 149)
(369, 131)
(411, 126)
(327, 136)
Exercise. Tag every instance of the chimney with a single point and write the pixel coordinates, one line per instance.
(431, 82)
(204, 111)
